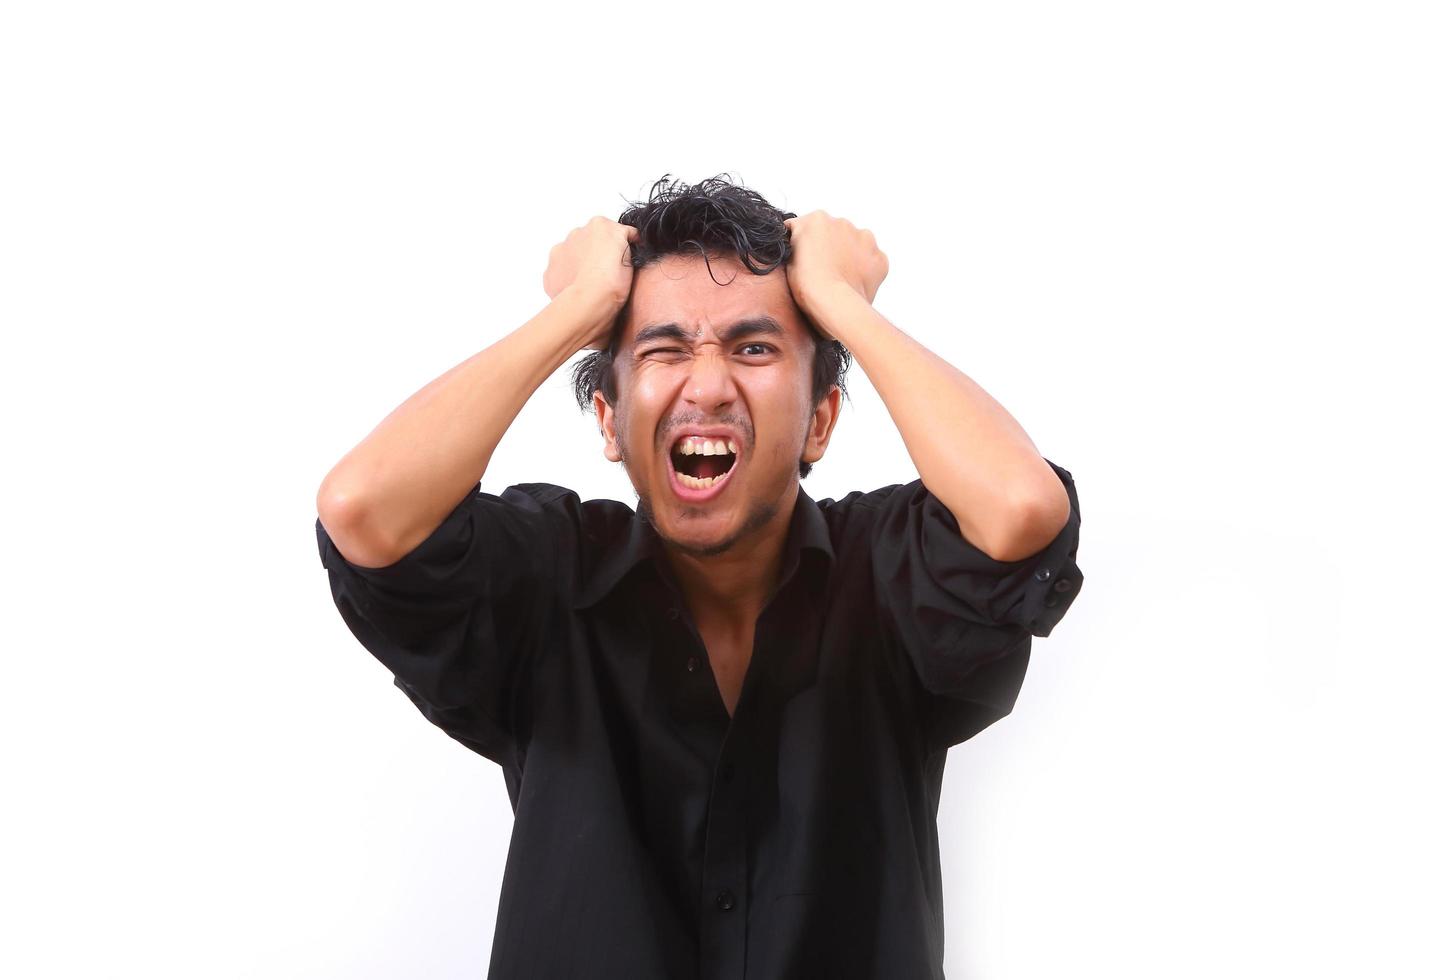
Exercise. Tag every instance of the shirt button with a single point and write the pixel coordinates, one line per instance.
(691, 664)
(1062, 585)
(1042, 574)
(725, 901)
(727, 772)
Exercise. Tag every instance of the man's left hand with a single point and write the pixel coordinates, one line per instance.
(830, 254)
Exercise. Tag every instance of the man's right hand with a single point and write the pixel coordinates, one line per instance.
(593, 260)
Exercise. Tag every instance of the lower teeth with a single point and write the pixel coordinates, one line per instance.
(704, 483)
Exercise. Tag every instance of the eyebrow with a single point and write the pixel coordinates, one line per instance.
(754, 326)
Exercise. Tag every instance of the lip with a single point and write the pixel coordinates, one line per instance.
(686, 494)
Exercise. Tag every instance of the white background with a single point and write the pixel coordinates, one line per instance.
(1185, 245)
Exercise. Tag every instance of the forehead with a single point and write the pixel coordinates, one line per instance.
(679, 289)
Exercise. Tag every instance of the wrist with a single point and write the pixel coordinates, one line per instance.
(585, 314)
(597, 300)
(829, 304)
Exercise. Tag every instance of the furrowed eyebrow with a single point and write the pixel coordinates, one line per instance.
(755, 326)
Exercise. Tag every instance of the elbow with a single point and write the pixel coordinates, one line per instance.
(338, 506)
(343, 517)
(1038, 524)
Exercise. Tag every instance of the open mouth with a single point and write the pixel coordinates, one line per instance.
(699, 474)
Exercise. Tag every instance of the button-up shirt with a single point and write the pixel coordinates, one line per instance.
(657, 835)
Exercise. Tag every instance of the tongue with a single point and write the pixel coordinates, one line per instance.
(706, 466)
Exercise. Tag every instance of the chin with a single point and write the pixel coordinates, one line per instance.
(703, 544)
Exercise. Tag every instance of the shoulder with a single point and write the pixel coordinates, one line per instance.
(861, 509)
(597, 511)
(586, 526)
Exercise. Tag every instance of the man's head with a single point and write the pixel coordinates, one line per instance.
(712, 342)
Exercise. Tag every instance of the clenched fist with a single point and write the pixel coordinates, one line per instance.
(593, 257)
(829, 252)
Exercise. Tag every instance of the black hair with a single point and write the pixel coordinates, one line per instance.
(712, 217)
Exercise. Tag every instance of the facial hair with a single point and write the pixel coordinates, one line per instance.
(762, 512)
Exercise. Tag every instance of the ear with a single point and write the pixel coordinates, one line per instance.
(822, 426)
(606, 418)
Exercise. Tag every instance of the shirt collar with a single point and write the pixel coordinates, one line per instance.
(640, 543)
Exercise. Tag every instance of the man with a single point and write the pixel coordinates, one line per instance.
(722, 717)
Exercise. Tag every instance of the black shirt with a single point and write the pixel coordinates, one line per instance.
(654, 834)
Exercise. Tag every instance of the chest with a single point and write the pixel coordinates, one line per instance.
(729, 653)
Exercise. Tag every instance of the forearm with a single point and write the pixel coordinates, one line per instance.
(389, 493)
(970, 453)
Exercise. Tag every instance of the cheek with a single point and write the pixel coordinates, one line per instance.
(785, 406)
(646, 399)
(652, 389)
(779, 396)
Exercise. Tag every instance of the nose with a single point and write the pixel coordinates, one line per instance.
(709, 385)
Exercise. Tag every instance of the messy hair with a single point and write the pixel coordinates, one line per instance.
(713, 217)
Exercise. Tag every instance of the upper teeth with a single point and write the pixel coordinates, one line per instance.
(693, 446)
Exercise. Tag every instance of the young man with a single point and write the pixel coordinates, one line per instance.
(723, 717)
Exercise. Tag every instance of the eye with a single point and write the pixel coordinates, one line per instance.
(745, 346)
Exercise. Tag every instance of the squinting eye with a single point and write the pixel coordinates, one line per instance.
(744, 346)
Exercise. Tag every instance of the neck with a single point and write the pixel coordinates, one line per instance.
(733, 587)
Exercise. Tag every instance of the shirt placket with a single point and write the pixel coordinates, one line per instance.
(725, 893)
(723, 886)
(724, 879)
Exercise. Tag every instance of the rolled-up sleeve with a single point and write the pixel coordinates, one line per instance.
(459, 619)
(966, 620)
